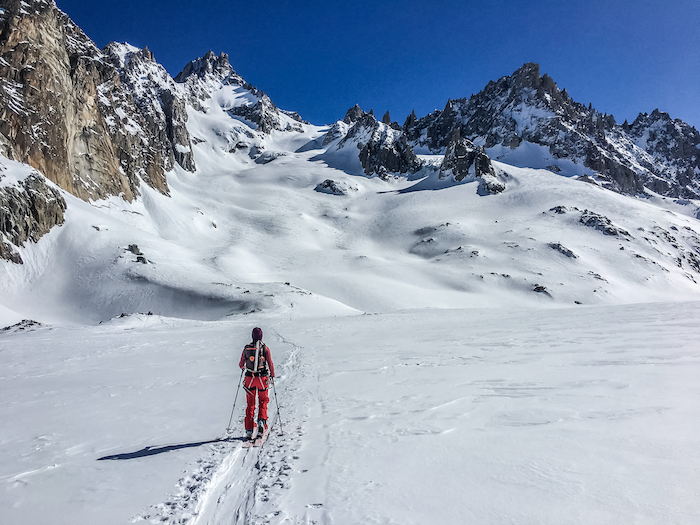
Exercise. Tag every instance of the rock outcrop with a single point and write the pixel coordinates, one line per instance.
(382, 149)
(29, 209)
(463, 160)
(333, 187)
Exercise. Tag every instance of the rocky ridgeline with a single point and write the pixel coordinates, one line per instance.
(654, 152)
(28, 210)
(383, 149)
(203, 75)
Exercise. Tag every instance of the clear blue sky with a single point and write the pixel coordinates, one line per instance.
(320, 58)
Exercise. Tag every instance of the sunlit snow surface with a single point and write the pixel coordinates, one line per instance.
(442, 356)
(579, 415)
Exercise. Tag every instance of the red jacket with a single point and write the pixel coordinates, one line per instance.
(268, 359)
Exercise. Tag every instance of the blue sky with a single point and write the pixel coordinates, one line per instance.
(320, 58)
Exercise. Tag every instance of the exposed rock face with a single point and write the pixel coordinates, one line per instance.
(203, 76)
(29, 210)
(655, 151)
(382, 148)
(65, 110)
(160, 101)
(463, 159)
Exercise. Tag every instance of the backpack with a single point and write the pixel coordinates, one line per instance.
(255, 361)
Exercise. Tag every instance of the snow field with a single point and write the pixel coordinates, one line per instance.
(577, 415)
(555, 416)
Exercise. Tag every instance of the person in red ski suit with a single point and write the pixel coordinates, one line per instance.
(256, 380)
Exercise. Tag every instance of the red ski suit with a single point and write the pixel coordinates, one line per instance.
(257, 383)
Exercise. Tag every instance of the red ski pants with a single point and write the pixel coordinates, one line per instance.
(255, 387)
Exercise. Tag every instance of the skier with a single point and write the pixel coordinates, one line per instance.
(256, 360)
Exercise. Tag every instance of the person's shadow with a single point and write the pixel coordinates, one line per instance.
(151, 451)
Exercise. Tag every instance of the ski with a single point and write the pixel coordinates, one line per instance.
(248, 442)
(259, 440)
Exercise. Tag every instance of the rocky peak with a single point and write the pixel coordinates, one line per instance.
(410, 120)
(527, 76)
(354, 114)
(203, 76)
(211, 69)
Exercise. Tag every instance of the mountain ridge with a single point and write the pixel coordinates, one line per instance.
(176, 194)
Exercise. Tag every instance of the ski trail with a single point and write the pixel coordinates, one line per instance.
(242, 490)
(231, 484)
(228, 491)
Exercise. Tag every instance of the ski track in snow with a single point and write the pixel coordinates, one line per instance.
(230, 482)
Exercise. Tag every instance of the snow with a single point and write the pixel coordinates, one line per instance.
(582, 415)
(182, 149)
(124, 50)
(529, 155)
(13, 172)
(421, 376)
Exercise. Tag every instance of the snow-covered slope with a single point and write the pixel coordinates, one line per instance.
(249, 216)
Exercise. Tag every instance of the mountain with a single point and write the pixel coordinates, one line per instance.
(380, 148)
(197, 197)
(527, 120)
(98, 123)
(204, 75)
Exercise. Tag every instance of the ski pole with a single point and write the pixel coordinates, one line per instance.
(278, 404)
(234, 402)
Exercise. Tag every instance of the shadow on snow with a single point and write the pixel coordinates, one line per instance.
(152, 451)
